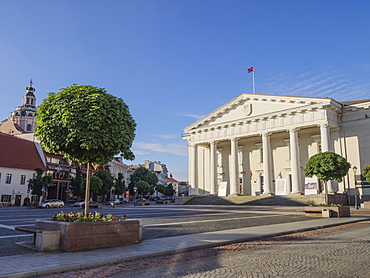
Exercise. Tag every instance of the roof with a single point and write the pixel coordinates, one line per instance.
(19, 153)
(353, 102)
(171, 180)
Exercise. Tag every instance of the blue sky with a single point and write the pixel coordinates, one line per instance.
(174, 61)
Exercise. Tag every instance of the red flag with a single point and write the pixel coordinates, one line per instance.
(250, 174)
(250, 69)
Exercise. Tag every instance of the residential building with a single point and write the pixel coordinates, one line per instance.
(18, 160)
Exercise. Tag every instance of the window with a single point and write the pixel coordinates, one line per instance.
(23, 179)
(8, 178)
(5, 198)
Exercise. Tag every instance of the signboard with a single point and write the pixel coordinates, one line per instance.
(222, 188)
(280, 186)
(311, 185)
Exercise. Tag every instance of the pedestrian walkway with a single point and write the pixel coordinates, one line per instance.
(42, 263)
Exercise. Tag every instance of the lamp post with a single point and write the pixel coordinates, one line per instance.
(354, 174)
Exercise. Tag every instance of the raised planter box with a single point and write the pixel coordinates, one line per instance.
(333, 211)
(82, 236)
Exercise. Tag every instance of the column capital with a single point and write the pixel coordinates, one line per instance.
(323, 125)
(192, 145)
(265, 134)
(294, 129)
(234, 139)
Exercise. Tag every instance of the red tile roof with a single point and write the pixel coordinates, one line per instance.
(171, 180)
(19, 153)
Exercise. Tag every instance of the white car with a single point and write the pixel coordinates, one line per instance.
(52, 204)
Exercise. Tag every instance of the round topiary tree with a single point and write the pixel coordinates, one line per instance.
(327, 166)
(86, 124)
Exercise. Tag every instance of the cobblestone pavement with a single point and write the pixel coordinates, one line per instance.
(341, 251)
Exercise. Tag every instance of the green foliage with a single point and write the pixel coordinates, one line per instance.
(80, 217)
(95, 184)
(107, 181)
(76, 188)
(142, 174)
(366, 173)
(38, 181)
(327, 166)
(160, 188)
(169, 190)
(142, 187)
(86, 124)
(119, 184)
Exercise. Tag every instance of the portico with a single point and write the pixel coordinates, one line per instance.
(259, 144)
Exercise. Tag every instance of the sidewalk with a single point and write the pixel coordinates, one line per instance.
(42, 263)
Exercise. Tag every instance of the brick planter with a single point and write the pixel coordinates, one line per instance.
(82, 236)
(343, 211)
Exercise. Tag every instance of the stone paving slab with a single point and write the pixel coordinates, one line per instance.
(42, 263)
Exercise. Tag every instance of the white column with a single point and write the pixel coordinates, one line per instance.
(326, 147)
(213, 169)
(267, 179)
(193, 167)
(294, 161)
(234, 169)
(325, 137)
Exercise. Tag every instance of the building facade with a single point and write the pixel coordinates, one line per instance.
(259, 144)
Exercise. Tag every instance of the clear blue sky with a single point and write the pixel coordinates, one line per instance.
(173, 61)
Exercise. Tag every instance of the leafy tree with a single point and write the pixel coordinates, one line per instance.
(95, 185)
(169, 190)
(151, 189)
(38, 181)
(119, 184)
(76, 183)
(142, 187)
(86, 124)
(107, 182)
(327, 166)
(160, 188)
(142, 174)
(366, 173)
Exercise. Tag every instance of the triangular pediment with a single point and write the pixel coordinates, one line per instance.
(252, 106)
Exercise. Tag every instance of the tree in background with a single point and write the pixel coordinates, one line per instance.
(142, 174)
(95, 185)
(119, 184)
(366, 173)
(38, 181)
(107, 182)
(169, 190)
(86, 124)
(160, 188)
(76, 188)
(142, 188)
(327, 166)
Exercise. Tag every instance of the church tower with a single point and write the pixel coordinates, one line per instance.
(25, 116)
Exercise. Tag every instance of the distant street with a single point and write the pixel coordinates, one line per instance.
(157, 222)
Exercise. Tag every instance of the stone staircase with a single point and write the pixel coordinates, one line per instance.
(287, 200)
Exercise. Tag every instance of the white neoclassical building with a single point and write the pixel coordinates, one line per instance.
(259, 144)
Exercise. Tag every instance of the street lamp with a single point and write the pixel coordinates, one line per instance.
(354, 174)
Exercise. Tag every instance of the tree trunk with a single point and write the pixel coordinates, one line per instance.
(87, 192)
(326, 193)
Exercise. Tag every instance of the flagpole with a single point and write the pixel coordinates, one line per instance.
(254, 87)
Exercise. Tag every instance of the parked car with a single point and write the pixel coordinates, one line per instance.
(80, 203)
(52, 204)
(122, 200)
(113, 202)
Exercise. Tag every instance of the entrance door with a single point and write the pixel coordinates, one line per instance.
(17, 201)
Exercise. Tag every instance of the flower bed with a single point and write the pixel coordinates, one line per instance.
(95, 231)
